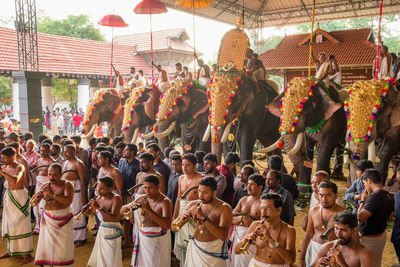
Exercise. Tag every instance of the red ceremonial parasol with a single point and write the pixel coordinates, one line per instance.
(193, 4)
(112, 21)
(150, 7)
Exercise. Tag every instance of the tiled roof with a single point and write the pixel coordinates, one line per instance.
(354, 49)
(72, 56)
(174, 39)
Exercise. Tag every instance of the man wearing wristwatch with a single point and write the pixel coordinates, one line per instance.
(213, 218)
(56, 240)
(274, 239)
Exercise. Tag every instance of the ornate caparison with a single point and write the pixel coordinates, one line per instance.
(170, 98)
(365, 98)
(97, 98)
(134, 97)
(292, 103)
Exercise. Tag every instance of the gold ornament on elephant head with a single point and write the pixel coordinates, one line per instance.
(170, 98)
(97, 98)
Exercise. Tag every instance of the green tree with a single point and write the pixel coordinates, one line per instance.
(64, 90)
(74, 26)
(5, 90)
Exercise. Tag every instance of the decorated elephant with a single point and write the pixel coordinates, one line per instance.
(310, 114)
(373, 118)
(184, 104)
(104, 106)
(237, 102)
(140, 112)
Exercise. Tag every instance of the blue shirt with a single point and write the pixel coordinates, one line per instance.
(172, 188)
(129, 172)
(357, 188)
(163, 169)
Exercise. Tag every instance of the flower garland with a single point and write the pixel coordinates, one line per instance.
(173, 105)
(99, 101)
(299, 110)
(132, 108)
(233, 93)
(374, 111)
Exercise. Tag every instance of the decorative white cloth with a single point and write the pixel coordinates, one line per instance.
(16, 223)
(239, 260)
(256, 263)
(138, 218)
(205, 254)
(312, 252)
(182, 236)
(204, 81)
(38, 209)
(152, 247)
(163, 86)
(337, 77)
(56, 240)
(385, 72)
(107, 250)
(76, 206)
(375, 245)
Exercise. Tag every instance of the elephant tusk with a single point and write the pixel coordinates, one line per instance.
(207, 134)
(297, 146)
(147, 136)
(270, 148)
(346, 158)
(226, 133)
(166, 132)
(135, 135)
(371, 151)
(90, 133)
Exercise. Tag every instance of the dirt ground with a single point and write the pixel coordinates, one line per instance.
(82, 254)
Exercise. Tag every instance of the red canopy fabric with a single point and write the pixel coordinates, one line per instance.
(150, 7)
(113, 21)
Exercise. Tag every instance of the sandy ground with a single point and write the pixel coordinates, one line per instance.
(82, 254)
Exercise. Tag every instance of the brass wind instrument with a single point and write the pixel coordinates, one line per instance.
(181, 221)
(244, 249)
(84, 209)
(127, 214)
(333, 259)
(35, 198)
(326, 234)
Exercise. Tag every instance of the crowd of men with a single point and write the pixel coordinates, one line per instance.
(161, 201)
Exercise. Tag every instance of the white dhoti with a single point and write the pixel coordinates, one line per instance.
(107, 248)
(312, 252)
(138, 218)
(16, 223)
(204, 81)
(239, 260)
(207, 254)
(163, 86)
(76, 206)
(256, 263)
(56, 240)
(336, 78)
(38, 209)
(152, 248)
(182, 236)
(375, 245)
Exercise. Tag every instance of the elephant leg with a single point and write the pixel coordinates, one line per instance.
(337, 172)
(163, 143)
(390, 148)
(306, 163)
(247, 138)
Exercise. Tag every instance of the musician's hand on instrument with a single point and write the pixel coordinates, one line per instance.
(144, 203)
(95, 205)
(247, 221)
(364, 195)
(323, 262)
(196, 212)
(337, 253)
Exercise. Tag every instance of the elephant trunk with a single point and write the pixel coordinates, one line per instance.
(289, 142)
(216, 146)
(135, 135)
(90, 133)
(167, 131)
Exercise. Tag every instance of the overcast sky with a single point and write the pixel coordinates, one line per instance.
(208, 32)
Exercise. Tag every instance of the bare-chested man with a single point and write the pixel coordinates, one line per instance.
(245, 213)
(106, 169)
(146, 168)
(187, 191)
(153, 244)
(21, 160)
(74, 171)
(320, 219)
(16, 223)
(274, 239)
(213, 218)
(42, 168)
(55, 151)
(56, 240)
(162, 80)
(385, 70)
(107, 248)
(346, 249)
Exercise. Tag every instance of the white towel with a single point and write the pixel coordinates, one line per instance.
(182, 236)
(206, 254)
(312, 252)
(76, 206)
(256, 263)
(239, 260)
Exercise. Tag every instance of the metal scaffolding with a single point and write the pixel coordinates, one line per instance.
(26, 26)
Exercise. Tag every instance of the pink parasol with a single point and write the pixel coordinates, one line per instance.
(112, 20)
(150, 7)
